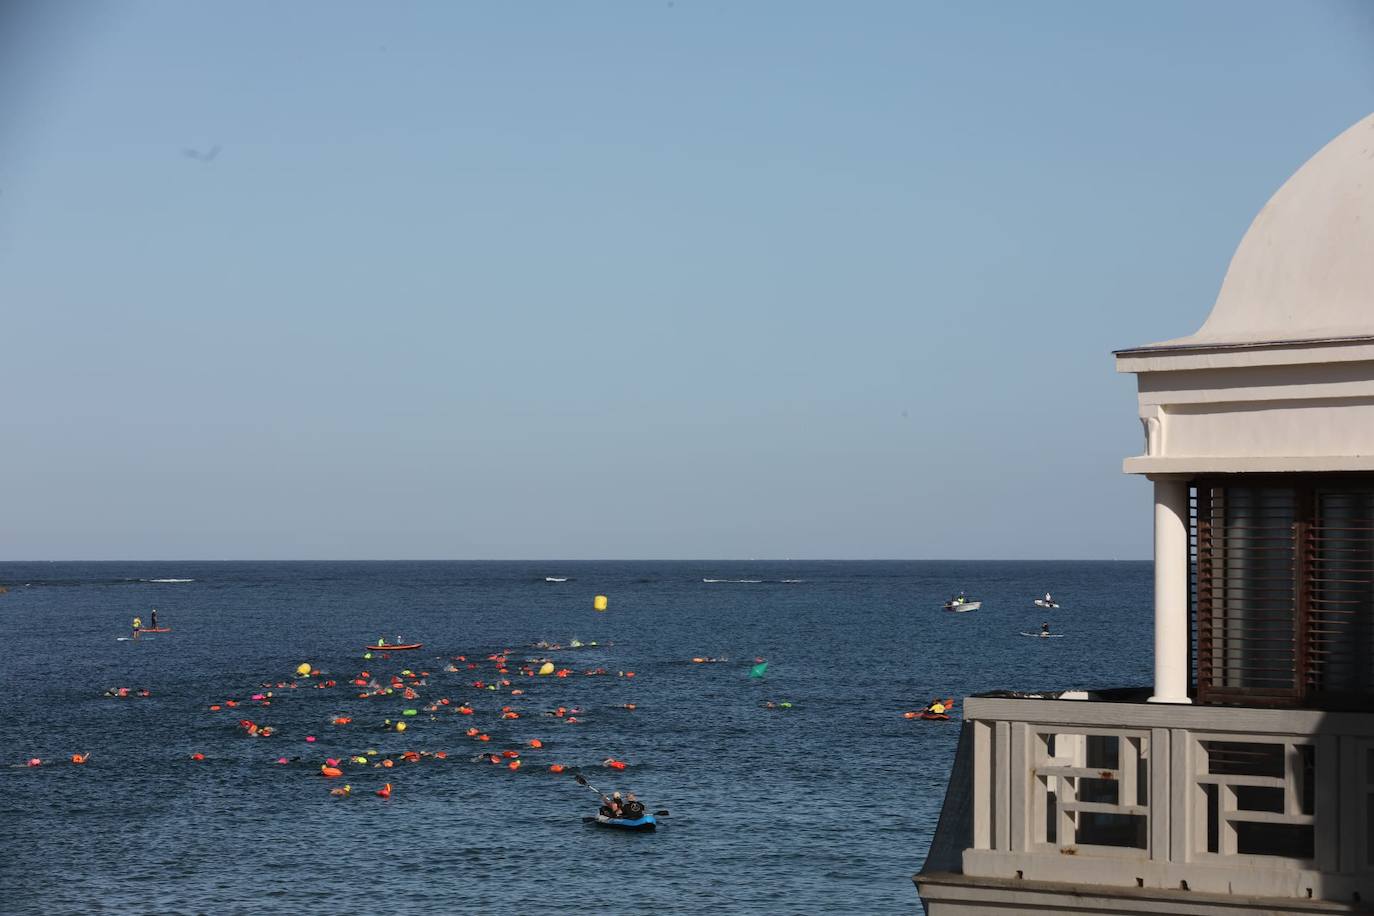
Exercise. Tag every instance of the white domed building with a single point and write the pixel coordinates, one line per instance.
(1242, 780)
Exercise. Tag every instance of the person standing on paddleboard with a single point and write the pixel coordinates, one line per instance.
(152, 616)
(138, 625)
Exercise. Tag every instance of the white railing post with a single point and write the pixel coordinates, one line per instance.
(983, 788)
(1161, 801)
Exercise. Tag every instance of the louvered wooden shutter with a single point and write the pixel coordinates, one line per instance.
(1339, 592)
(1246, 594)
(1283, 590)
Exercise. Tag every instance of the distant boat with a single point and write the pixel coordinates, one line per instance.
(1041, 602)
(962, 605)
(555, 578)
(1044, 635)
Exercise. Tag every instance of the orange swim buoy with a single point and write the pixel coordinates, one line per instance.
(442, 755)
(215, 708)
(556, 768)
(472, 732)
(80, 758)
(197, 756)
(514, 765)
(385, 791)
(510, 754)
(388, 764)
(329, 772)
(484, 737)
(614, 764)
(535, 742)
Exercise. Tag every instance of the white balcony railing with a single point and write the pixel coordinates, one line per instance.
(1278, 803)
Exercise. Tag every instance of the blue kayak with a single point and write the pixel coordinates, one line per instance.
(646, 822)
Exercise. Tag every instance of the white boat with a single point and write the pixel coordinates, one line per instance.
(1041, 602)
(962, 605)
(1044, 635)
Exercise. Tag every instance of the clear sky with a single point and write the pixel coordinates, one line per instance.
(580, 280)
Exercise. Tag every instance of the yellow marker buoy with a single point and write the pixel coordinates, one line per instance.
(303, 669)
(546, 668)
(599, 602)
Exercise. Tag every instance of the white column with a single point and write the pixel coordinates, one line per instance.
(1171, 590)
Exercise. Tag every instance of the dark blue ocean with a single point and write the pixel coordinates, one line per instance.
(828, 806)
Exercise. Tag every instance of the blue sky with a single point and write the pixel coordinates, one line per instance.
(620, 280)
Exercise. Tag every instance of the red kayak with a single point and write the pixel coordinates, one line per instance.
(398, 647)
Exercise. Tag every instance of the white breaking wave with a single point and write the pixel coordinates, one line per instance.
(555, 578)
(735, 581)
(169, 580)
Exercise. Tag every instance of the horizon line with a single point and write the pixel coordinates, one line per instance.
(597, 560)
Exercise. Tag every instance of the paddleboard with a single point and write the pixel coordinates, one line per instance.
(1045, 635)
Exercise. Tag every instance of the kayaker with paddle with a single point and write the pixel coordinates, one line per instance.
(611, 806)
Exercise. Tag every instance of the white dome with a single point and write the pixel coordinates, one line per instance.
(1305, 269)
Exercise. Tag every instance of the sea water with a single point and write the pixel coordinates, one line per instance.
(828, 806)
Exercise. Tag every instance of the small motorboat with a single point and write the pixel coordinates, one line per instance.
(1041, 602)
(646, 822)
(396, 647)
(962, 605)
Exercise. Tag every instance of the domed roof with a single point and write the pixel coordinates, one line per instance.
(1305, 269)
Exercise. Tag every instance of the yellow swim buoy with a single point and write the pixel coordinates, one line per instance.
(303, 669)
(546, 668)
(599, 602)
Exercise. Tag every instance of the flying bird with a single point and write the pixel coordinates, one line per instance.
(201, 157)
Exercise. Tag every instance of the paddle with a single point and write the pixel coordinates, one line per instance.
(582, 781)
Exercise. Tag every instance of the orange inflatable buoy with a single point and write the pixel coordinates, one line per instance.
(80, 758)
(514, 765)
(510, 754)
(472, 732)
(197, 756)
(329, 772)
(484, 737)
(215, 708)
(535, 742)
(388, 764)
(441, 755)
(385, 791)
(556, 768)
(614, 764)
